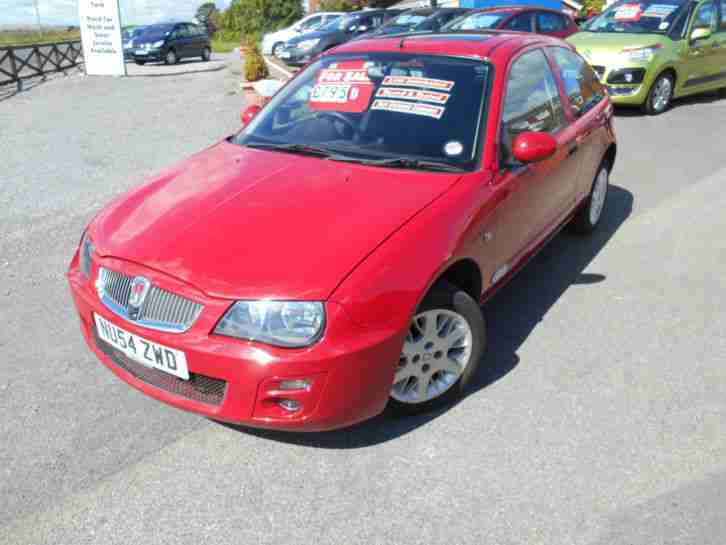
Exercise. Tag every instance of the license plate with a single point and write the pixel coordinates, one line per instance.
(143, 351)
(285, 54)
(140, 52)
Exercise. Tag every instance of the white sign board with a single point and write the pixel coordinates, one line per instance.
(101, 35)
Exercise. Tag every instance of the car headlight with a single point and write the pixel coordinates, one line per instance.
(308, 44)
(85, 254)
(290, 324)
(158, 44)
(641, 54)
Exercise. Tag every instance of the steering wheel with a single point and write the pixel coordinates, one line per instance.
(339, 117)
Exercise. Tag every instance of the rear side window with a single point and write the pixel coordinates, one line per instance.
(481, 20)
(550, 22)
(581, 84)
(522, 23)
(531, 102)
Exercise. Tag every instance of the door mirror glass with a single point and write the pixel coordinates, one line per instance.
(700, 34)
(248, 113)
(530, 147)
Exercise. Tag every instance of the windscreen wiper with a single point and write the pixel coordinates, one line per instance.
(408, 162)
(302, 149)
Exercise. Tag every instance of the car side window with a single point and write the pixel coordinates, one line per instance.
(531, 101)
(550, 22)
(705, 16)
(375, 21)
(722, 18)
(312, 23)
(522, 23)
(581, 83)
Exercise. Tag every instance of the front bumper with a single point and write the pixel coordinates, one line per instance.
(623, 94)
(296, 57)
(152, 55)
(350, 370)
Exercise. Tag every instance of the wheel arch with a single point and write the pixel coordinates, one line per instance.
(465, 274)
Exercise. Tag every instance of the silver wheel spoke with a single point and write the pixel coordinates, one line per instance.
(435, 353)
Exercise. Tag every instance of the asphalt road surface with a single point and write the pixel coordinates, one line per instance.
(599, 416)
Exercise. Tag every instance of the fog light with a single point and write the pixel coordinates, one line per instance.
(297, 384)
(289, 404)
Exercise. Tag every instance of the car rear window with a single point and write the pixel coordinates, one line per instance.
(380, 105)
(478, 21)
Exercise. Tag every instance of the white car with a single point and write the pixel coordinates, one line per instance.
(272, 42)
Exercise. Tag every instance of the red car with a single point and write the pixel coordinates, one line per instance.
(522, 19)
(330, 259)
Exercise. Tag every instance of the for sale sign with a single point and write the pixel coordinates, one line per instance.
(101, 35)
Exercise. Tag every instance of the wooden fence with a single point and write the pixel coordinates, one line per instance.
(28, 61)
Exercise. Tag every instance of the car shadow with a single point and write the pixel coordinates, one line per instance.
(511, 315)
(707, 97)
(183, 67)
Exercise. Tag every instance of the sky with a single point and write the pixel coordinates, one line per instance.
(65, 12)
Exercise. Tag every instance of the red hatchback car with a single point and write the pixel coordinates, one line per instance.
(522, 19)
(331, 257)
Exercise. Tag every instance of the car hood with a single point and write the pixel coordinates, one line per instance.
(242, 223)
(597, 45)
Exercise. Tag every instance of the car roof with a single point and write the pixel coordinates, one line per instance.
(460, 43)
(515, 9)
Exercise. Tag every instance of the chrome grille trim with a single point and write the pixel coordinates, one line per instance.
(162, 310)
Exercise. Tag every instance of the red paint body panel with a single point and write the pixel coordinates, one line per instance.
(238, 223)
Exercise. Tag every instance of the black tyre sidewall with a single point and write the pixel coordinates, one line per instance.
(448, 297)
(206, 54)
(275, 48)
(581, 222)
(169, 53)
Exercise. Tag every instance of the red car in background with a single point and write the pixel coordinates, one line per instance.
(522, 19)
(330, 259)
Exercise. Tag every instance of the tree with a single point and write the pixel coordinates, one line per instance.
(206, 15)
(338, 5)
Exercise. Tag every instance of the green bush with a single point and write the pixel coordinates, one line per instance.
(338, 5)
(248, 17)
(255, 67)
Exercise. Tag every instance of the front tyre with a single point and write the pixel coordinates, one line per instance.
(206, 54)
(588, 216)
(171, 57)
(441, 353)
(660, 95)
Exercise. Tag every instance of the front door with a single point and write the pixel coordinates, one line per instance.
(535, 196)
(702, 57)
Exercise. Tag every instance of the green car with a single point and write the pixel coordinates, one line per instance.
(648, 53)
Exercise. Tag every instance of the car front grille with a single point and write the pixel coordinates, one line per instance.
(161, 310)
(199, 388)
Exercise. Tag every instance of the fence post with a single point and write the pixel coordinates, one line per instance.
(14, 69)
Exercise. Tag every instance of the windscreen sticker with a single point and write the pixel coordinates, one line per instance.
(660, 11)
(427, 110)
(413, 94)
(628, 12)
(408, 81)
(453, 148)
(343, 88)
(664, 25)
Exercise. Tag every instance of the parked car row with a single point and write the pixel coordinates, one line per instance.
(166, 42)
(647, 52)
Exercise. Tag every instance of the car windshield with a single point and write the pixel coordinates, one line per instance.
(479, 21)
(378, 107)
(651, 17)
(156, 32)
(408, 20)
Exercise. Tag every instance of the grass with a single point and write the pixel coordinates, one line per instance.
(14, 37)
(220, 45)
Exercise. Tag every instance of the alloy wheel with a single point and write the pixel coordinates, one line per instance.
(662, 94)
(436, 352)
(597, 198)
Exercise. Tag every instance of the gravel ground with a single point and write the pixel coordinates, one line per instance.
(599, 416)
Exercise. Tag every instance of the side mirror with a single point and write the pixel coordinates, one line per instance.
(248, 113)
(530, 147)
(700, 34)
